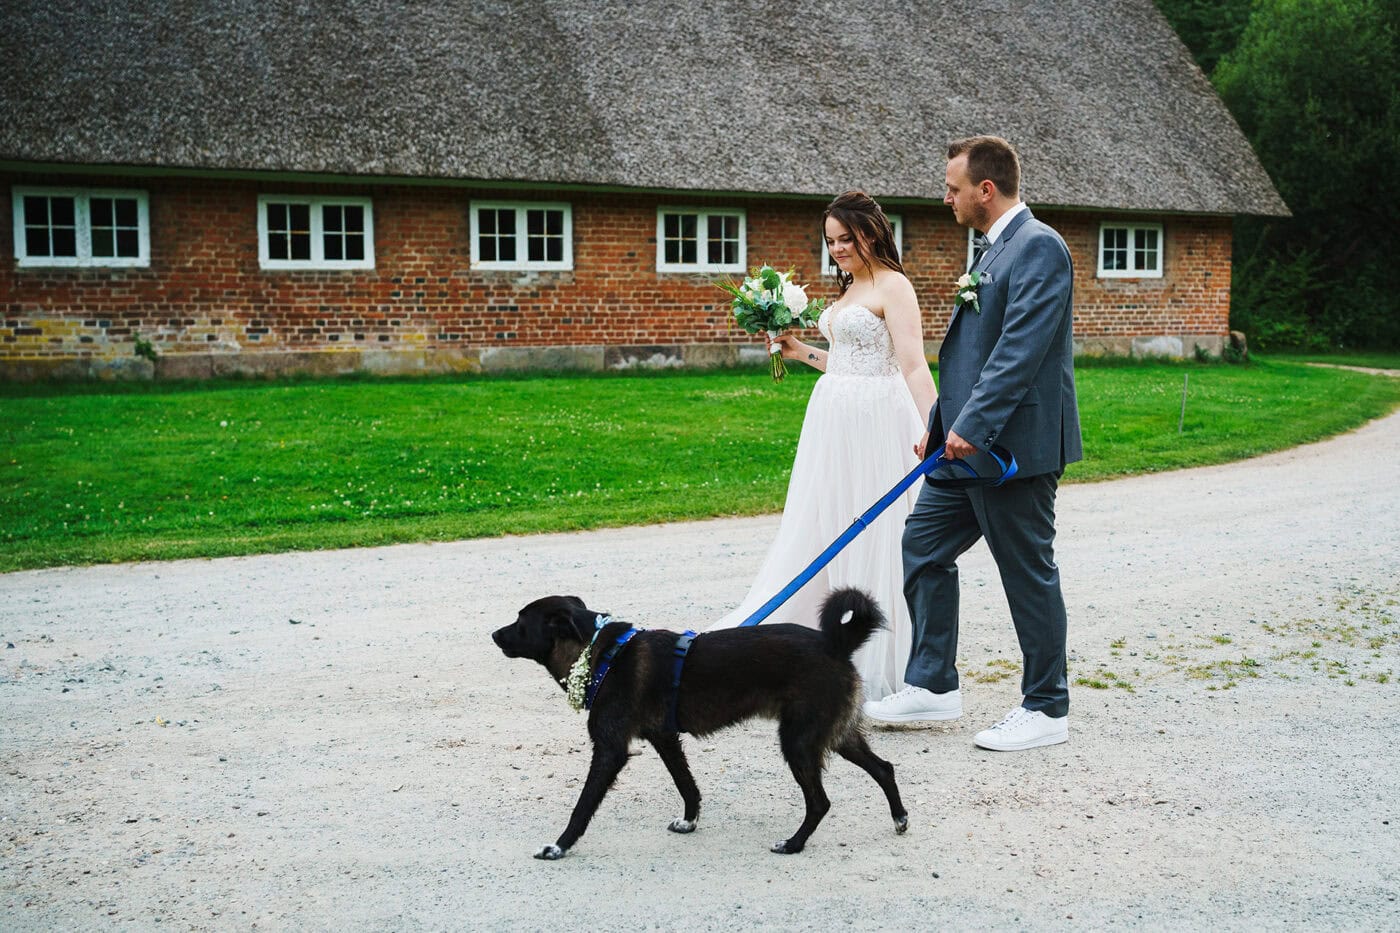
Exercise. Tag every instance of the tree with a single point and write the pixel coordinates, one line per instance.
(1315, 86)
(1210, 28)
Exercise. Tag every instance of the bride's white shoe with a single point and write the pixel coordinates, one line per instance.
(915, 704)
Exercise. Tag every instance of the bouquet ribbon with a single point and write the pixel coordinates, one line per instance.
(1005, 460)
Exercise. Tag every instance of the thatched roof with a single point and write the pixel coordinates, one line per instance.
(805, 97)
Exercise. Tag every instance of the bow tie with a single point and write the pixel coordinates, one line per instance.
(979, 246)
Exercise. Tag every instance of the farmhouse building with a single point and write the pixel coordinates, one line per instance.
(271, 186)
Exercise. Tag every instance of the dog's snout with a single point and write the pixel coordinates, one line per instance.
(507, 639)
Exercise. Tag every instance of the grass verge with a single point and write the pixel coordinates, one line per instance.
(99, 473)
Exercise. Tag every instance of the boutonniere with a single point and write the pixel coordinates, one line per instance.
(967, 290)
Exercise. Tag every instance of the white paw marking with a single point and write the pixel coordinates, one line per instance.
(682, 826)
(550, 853)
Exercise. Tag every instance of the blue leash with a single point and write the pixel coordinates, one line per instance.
(1005, 460)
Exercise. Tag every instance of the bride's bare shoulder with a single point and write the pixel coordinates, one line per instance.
(892, 285)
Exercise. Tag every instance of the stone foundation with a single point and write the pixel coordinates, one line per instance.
(271, 364)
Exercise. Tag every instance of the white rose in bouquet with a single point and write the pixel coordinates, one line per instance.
(795, 297)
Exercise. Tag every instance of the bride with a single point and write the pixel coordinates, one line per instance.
(864, 429)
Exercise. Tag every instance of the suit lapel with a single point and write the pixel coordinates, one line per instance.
(985, 261)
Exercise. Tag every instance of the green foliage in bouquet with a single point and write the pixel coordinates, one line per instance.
(770, 302)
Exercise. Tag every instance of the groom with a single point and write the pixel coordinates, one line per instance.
(1006, 376)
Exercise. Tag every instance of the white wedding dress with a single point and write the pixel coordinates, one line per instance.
(857, 441)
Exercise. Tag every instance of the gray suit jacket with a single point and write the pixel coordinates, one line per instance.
(1006, 374)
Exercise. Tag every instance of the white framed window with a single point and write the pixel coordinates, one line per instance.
(896, 221)
(701, 240)
(521, 235)
(1130, 251)
(81, 227)
(298, 232)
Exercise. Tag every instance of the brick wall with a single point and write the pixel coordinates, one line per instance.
(206, 306)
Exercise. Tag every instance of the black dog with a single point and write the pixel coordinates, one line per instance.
(799, 676)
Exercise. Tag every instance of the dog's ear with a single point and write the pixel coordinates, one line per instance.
(580, 620)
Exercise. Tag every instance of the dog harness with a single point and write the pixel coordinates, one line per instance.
(606, 661)
(673, 695)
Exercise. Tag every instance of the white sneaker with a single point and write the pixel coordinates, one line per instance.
(1022, 729)
(915, 704)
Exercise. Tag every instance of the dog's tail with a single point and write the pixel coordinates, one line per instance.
(843, 637)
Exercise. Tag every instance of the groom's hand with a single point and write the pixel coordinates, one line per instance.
(955, 448)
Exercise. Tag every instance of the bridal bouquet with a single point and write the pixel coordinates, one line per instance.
(771, 301)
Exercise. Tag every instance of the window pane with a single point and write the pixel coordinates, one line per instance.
(115, 228)
(496, 234)
(289, 231)
(127, 213)
(723, 239)
(1145, 253)
(331, 247)
(62, 212)
(50, 226)
(128, 243)
(355, 246)
(36, 212)
(1115, 248)
(36, 241)
(331, 218)
(65, 241)
(544, 235)
(354, 218)
(682, 245)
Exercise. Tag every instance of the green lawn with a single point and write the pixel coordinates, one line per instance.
(96, 473)
(1340, 358)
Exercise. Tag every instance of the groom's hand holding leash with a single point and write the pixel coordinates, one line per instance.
(955, 448)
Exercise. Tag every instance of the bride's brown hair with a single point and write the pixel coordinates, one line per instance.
(858, 213)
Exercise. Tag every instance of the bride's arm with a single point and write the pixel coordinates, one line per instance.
(907, 331)
(794, 349)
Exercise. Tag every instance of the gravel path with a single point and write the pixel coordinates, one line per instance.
(330, 740)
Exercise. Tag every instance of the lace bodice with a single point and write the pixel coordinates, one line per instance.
(860, 342)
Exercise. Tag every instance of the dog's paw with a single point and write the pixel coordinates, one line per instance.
(786, 847)
(550, 853)
(682, 826)
(901, 824)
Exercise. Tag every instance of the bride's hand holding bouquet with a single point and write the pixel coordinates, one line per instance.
(770, 301)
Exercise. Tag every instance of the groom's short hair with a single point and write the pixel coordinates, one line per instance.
(990, 158)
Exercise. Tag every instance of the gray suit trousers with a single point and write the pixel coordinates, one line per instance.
(1018, 521)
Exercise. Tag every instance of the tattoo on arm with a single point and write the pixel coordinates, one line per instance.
(811, 356)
